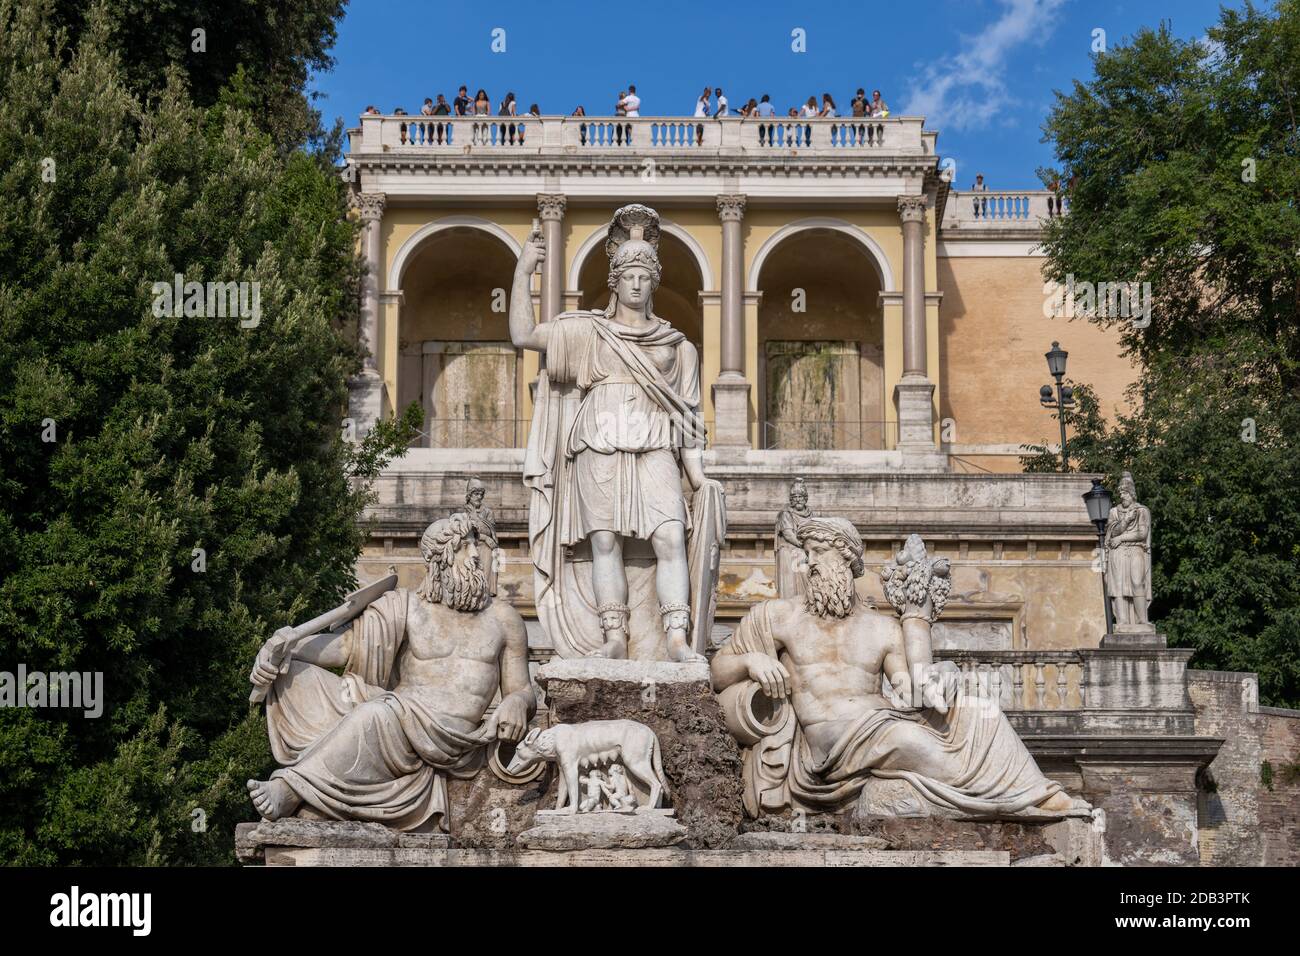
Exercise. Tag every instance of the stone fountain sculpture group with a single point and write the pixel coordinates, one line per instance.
(836, 704)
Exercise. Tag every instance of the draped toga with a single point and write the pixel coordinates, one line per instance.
(1128, 563)
(614, 406)
(365, 746)
(977, 764)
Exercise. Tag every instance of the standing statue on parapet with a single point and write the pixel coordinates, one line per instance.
(829, 737)
(791, 566)
(615, 424)
(1128, 556)
(485, 523)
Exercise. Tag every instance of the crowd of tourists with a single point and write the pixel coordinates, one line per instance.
(711, 103)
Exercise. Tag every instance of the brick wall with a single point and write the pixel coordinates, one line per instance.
(1279, 807)
(1241, 822)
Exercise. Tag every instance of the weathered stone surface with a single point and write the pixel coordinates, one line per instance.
(701, 759)
(1019, 840)
(1127, 635)
(1249, 796)
(557, 830)
(777, 840)
(489, 813)
(252, 838)
(1047, 859)
(636, 672)
(1080, 841)
(677, 856)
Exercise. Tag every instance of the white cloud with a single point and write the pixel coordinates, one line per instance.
(968, 89)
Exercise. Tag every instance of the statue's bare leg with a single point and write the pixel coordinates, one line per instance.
(273, 798)
(673, 584)
(1118, 611)
(609, 580)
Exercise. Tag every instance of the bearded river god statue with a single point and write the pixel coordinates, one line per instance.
(420, 669)
(800, 683)
(615, 425)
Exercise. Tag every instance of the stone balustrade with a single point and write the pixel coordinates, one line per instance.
(1024, 679)
(648, 135)
(1009, 209)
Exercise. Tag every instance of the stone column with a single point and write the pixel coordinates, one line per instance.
(371, 206)
(366, 392)
(731, 390)
(551, 209)
(914, 392)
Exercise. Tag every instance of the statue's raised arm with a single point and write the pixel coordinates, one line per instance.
(525, 332)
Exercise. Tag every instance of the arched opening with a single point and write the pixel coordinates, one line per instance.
(455, 355)
(820, 344)
(676, 299)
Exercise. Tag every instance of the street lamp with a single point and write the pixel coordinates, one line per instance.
(1097, 500)
(1064, 397)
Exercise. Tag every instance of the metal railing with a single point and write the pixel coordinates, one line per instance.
(829, 435)
(472, 433)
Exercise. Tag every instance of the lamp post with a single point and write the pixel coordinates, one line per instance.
(1064, 397)
(1097, 500)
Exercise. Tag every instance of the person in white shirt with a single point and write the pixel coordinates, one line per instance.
(702, 104)
(631, 103)
(828, 105)
(810, 110)
(722, 103)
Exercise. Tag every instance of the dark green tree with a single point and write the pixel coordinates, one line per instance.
(1182, 160)
(134, 443)
(272, 46)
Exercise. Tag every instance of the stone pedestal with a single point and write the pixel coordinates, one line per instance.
(730, 412)
(914, 397)
(560, 830)
(330, 837)
(701, 759)
(1134, 635)
(366, 393)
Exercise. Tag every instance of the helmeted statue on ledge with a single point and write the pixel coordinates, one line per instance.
(615, 424)
(1128, 557)
(420, 668)
(790, 563)
(485, 526)
(830, 737)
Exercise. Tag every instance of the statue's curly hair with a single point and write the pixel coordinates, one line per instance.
(439, 544)
(840, 533)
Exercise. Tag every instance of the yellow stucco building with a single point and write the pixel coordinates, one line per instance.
(860, 323)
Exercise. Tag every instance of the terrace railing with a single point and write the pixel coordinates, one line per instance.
(1010, 209)
(643, 135)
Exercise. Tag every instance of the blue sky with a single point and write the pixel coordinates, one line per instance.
(981, 71)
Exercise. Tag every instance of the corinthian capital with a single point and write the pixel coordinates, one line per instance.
(551, 206)
(911, 208)
(731, 207)
(371, 206)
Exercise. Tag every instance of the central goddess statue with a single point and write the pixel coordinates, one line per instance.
(615, 424)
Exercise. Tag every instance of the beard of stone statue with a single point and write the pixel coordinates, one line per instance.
(461, 585)
(830, 591)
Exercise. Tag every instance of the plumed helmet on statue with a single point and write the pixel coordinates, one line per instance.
(474, 484)
(840, 533)
(633, 240)
(1126, 484)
